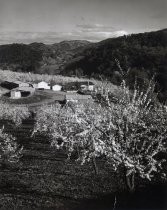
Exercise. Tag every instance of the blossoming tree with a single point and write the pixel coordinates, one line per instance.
(130, 132)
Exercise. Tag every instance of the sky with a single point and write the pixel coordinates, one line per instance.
(52, 21)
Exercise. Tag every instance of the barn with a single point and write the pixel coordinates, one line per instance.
(14, 84)
(77, 97)
(22, 84)
(87, 86)
(21, 92)
(41, 85)
(56, 87)
(14, 94)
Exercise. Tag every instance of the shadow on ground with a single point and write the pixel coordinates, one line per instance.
(152, 197)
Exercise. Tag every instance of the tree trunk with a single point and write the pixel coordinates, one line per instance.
(93, 158)
(130, 181)
(95, 165)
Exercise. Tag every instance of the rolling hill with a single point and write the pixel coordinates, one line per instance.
(142, 51)
(38, 57)
(144, 55)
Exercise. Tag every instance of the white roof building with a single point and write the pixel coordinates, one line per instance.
(22, 84)
(56, 87)
(41, 85)
(14, 94)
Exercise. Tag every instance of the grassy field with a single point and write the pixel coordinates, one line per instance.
(29, 77)
(38, 98)
(10, 75)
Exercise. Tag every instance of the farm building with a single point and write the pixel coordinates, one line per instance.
(14, 84)
(21, 92)
(73, 87)
(56, 87)
(22, 84)
(87, 86)
(15, 94)
(77, 97)
(41, 85)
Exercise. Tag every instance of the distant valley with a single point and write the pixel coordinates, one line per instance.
(144, 55)
(38, 57)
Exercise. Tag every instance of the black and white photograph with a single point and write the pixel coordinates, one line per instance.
(83, 104)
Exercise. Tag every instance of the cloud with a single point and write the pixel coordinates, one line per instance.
(29, 37)
(98, 36)
(98, 32)
(94, 27)
(93, 33)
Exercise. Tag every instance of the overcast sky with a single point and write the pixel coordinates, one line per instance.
(51, 21)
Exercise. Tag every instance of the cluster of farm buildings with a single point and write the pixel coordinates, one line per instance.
(71, 91)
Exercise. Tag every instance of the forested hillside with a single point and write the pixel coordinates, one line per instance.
(38, 57)
(19, 57)
(143, 54)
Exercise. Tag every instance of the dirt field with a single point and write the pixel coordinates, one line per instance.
(45, 179)
(40, 97)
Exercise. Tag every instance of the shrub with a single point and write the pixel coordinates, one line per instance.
(9, 150)
(13, 112)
